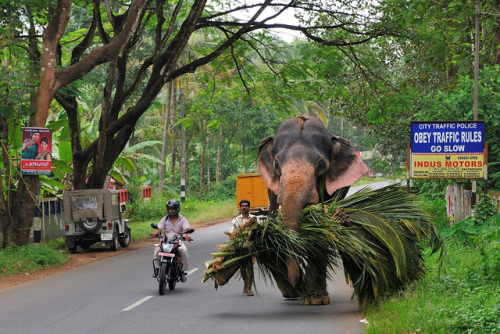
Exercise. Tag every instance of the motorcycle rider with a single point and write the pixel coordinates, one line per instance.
(175, 224)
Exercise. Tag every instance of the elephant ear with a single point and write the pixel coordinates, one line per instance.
(266, 165)
(346, 167)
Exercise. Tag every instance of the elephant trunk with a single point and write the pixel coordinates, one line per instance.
(296, 196)
(291, 214)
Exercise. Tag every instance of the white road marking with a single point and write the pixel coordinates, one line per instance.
(192, 271)
(137, 303)
(149, 297)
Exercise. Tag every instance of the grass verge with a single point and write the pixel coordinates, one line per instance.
(463, 299)
(14, 259)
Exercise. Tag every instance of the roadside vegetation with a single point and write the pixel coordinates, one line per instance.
(461, 297)
(18, 259)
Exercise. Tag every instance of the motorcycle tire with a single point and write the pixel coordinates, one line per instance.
(162, 282)
(171, 284)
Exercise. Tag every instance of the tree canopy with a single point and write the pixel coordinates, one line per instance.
(98, 73)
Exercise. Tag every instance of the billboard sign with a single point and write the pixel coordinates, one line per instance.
(447, 150)
(36, 155)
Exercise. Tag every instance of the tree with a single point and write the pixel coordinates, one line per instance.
(140, 43)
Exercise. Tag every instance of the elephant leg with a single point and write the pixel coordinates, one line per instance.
(247, 275)
(286, 289)
(316, 285)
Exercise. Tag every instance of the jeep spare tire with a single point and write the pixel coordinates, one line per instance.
(91, 226)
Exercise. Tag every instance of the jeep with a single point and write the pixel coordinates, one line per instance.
(94, 215)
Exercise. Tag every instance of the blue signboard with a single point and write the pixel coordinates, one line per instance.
(454, 137)
(447, 150)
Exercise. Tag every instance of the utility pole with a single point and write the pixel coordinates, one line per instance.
(476, 89)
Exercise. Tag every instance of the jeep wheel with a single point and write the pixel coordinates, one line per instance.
(114, 246)
(125, 240)
(72, 250)
(90, 226)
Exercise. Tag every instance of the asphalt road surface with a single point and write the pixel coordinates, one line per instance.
(118, 295)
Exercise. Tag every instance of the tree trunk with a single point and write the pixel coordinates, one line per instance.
(28, 189)
(496, 60)
(163, 168)
(208, 180)
(202, 162)
(23, 205)
(183, 146)
(218, 172)
(5, 217)
(173, 132)
(243, 151)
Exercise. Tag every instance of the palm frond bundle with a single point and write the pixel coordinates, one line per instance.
(376, 235)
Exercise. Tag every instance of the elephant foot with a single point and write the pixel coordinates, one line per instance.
(322, 299)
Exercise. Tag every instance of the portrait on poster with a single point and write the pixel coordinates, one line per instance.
(36, 151)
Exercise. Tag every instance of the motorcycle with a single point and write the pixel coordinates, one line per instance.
(169, 261)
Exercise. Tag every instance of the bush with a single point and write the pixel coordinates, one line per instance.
(14, 259)
(224, 190)
(148, 210)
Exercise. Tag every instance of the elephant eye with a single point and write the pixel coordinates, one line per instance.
(321, 167)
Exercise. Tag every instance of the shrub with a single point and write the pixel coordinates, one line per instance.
(224, 190)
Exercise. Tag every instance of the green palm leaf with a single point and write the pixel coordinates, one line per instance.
(377, 235)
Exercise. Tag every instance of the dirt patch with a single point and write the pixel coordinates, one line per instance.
(84, 257)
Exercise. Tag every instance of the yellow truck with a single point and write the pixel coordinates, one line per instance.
(252, 188)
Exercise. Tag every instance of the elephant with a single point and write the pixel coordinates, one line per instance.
(303, 164)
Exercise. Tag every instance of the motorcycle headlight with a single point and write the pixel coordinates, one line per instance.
(167, 247)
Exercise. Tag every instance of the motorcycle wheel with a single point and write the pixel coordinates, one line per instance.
(171, 284)
(162, 285)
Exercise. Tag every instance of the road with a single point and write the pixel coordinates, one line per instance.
(118, 295)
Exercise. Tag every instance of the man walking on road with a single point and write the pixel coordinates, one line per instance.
(236, 225)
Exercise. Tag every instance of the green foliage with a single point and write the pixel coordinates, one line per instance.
(481, 231)
(437, 209)
(193, 209)
(463, 301)
(226, 189)
(478, 229)
(14, 259)
(148, 210)
(375, 234)
(436, 304)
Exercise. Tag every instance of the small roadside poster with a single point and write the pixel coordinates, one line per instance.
(447, 150)
(36, 154)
